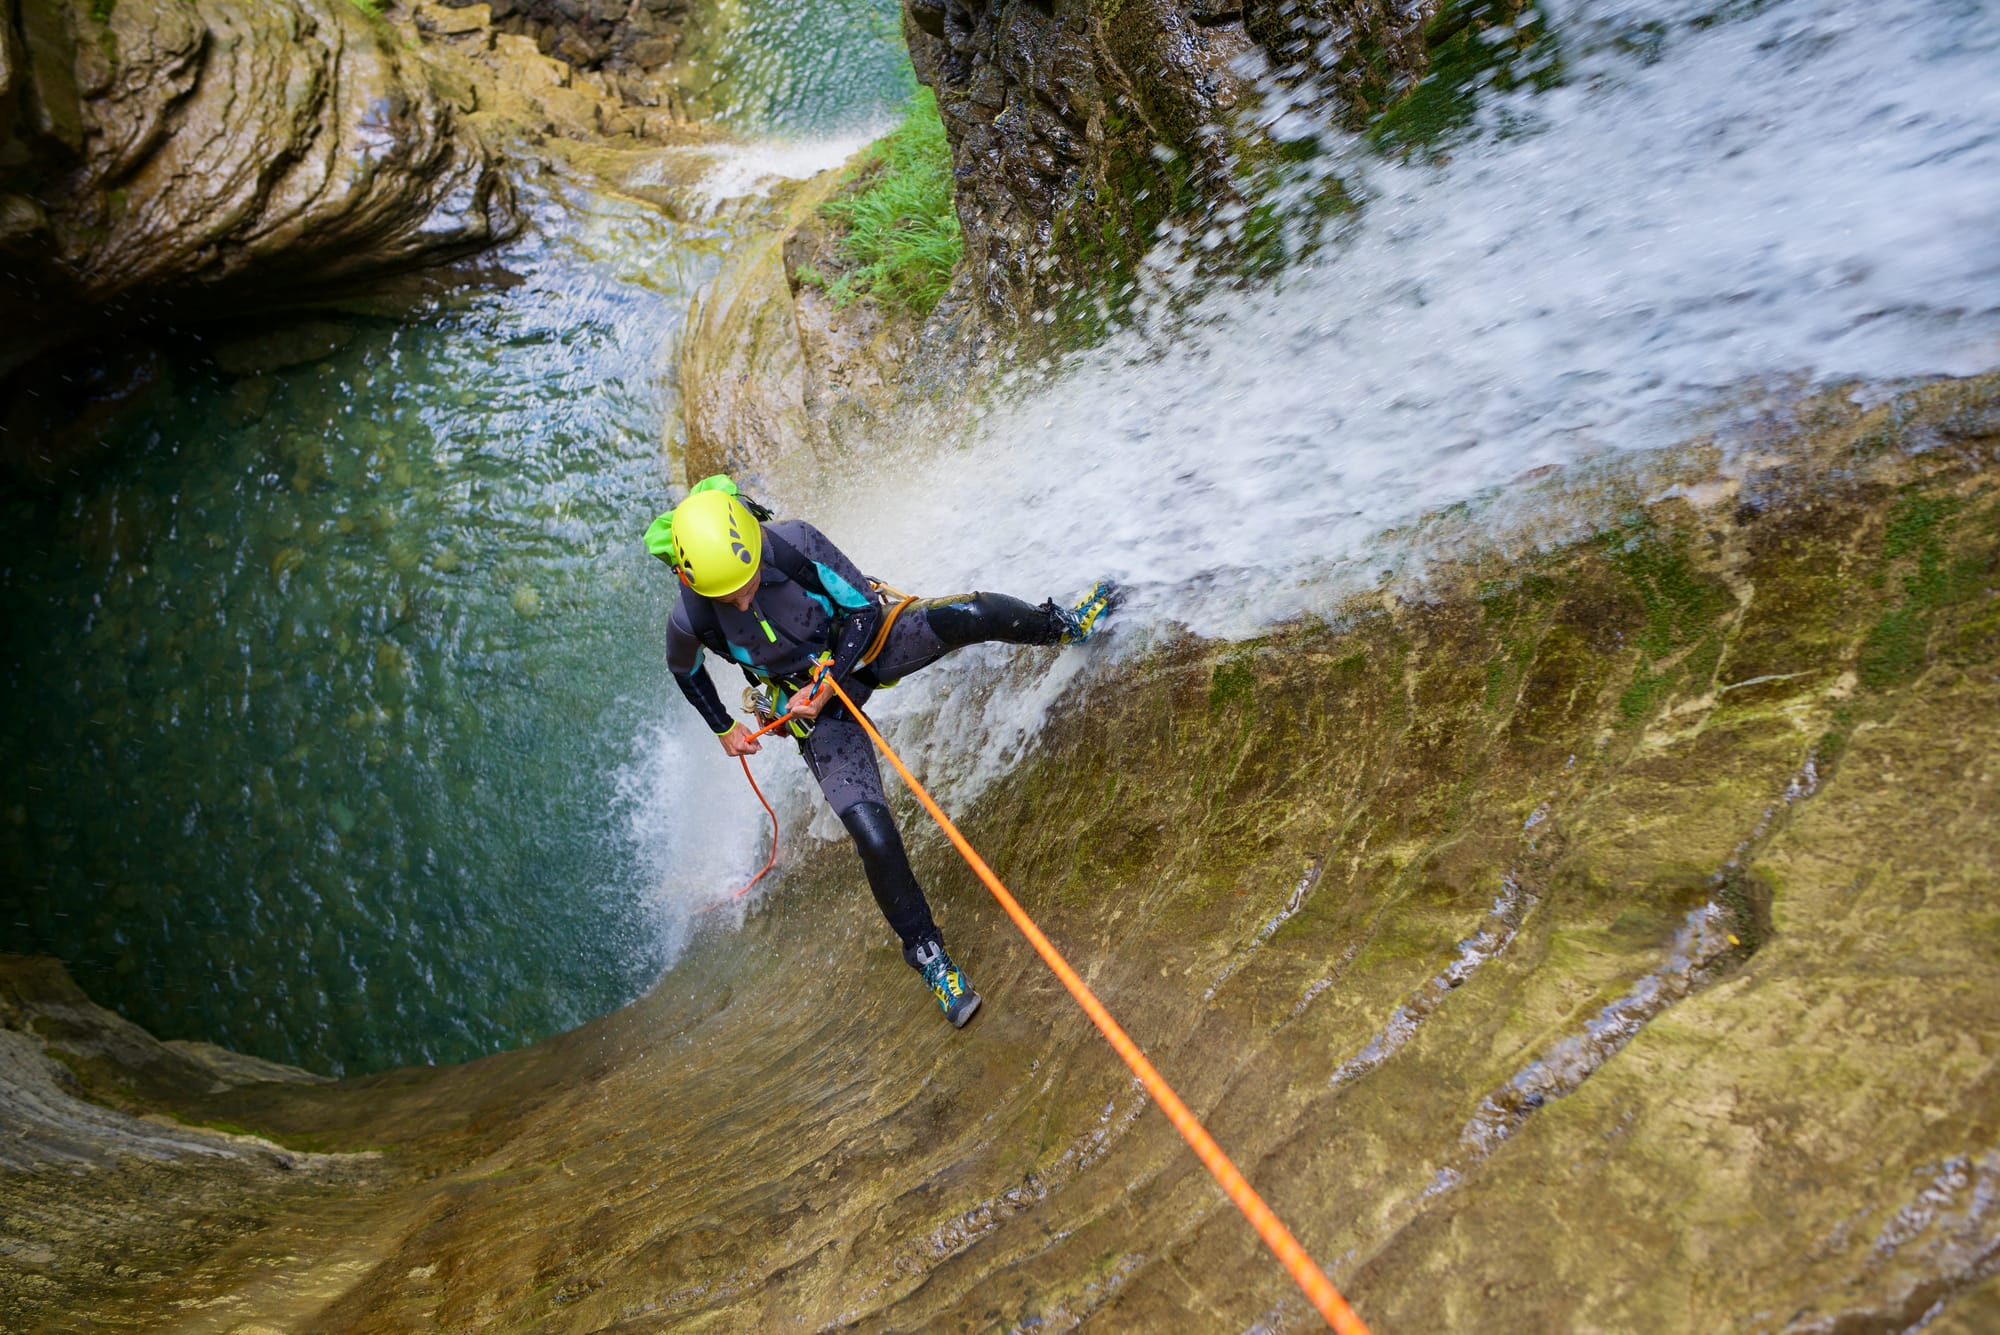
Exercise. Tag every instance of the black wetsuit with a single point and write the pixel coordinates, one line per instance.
(791, 622)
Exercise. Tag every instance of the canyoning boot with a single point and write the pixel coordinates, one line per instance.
(946, 981)
(1076, 622)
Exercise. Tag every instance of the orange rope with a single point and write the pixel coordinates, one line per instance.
(771, 861)
(1309, 1277)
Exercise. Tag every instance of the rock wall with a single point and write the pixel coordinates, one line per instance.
(772, 369)
(631, 39)
(1602, 940)
(1078, 126)
(204, 150)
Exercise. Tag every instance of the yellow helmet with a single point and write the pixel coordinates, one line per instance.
(716, 543)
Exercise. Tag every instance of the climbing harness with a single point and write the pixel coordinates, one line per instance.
(889, 615)
(1319, 1290)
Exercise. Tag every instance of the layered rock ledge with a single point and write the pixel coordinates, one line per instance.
(198, 150)
(1079, 126)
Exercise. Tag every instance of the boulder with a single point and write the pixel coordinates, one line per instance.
(634, 40)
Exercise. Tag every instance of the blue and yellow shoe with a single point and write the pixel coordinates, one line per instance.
(1079, 619)
(946, 981)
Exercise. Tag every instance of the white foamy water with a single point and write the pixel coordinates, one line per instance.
(1802, 197)
(754, 168)
(699, 830)
(1700, 220)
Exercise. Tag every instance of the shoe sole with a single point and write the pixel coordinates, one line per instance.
(958, 1021)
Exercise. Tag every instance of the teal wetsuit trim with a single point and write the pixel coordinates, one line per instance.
(839, 589)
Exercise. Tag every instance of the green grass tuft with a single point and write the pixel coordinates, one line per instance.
(902, 229)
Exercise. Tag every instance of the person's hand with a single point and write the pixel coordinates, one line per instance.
(807, 704)
(738, 742)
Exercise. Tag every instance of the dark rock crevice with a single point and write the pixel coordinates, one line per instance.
(632, 40)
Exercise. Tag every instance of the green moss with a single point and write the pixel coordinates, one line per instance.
(1291, 200)
(1703, 660)
(1897, 645)
(1234, 682)
(901, 225)
(1472, 44)
(1497, 672)
(1913, 524)
(1894, 649)
(1974, 641)
(1647, 690)
(1679, 602)
(1105, 228)
(1679, 606)
(1832, 743)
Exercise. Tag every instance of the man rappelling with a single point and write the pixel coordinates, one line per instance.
(789, 608)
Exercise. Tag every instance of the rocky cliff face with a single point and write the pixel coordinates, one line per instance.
(1079, 126)
(1078, 129)
(199, 149)
(631, 39)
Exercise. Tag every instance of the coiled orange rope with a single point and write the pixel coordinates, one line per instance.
(1318, 1288)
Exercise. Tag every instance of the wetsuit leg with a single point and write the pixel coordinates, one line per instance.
(843, 761)
(840, 757)
(936, 626)
(976, 617)
(897, 893)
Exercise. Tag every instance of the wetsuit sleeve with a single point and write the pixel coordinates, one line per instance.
(684, 662)
(858, 608)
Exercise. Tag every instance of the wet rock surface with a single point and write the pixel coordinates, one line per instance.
(208, 152)
(632, 39)
(1078, 127)
(1596, 939)
(772, 368)
(101, 1189)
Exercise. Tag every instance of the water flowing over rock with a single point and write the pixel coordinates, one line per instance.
(771, 366)
(205, 151)
(1078, 127)
(1586, 924)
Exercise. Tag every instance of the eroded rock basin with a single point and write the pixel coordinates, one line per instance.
(1601, 940)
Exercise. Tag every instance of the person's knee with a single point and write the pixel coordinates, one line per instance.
(874, 833)
(890, 878)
